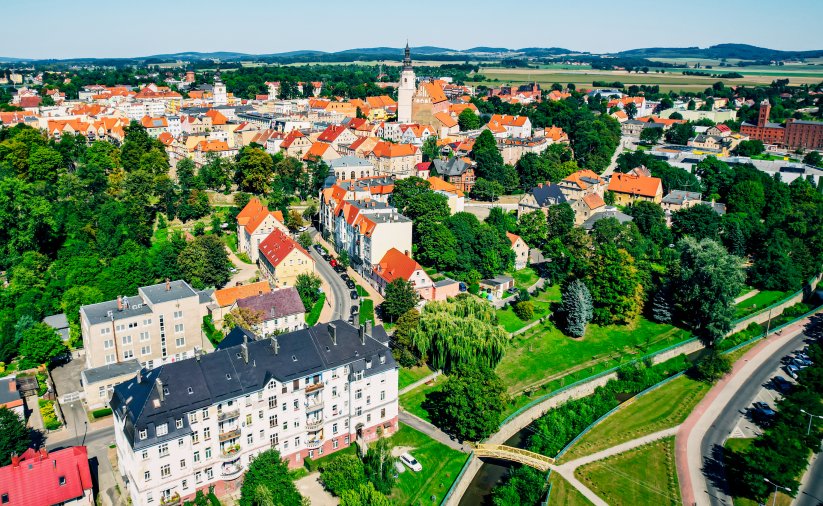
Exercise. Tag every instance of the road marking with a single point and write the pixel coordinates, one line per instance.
(737, 432)
(71, 397)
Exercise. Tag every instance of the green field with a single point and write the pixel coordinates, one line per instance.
(412, 401)
(407, 375)
(659, 409)
(645, 476)
(544, 353)
(441, 465)
(757, 302)
(564, 494)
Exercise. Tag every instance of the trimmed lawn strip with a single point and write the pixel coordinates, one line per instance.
(659, 409)
(544, 353)
(314, 314)
(564, 494)
(411, 401)
(512, 323)
(441, 465)
(759, 301)
(361, 291)
(525, 278)
(408, 375)
(366, 310)
(645, 475)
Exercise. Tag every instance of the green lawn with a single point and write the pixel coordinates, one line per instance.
(314, 314)
(525, 278)
(544, 353)
(659, 409)
(361, 291)
(408, 375)
(639, 477)
(763, 299)
(366, 310)
(542, 303)
(441, 465)
(411, 401)
(564, 494)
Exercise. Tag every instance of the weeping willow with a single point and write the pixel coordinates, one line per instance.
(459, 332)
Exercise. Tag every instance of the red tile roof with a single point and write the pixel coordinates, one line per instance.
(36, 479)
(228, 296)
(249, 211)
(385, 149)
(277, 246)
(635, 185)
(396, 264)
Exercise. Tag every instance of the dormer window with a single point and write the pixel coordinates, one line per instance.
(144, 433)
(228, 376)
(191, 390)
(382, 359)
(162, 429)
(61, 480)
(368, 364)
(179, 423)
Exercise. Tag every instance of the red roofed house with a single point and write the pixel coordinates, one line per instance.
(321, 151)
(521, 251)
(397, 160)
(398, 265)
(504, 125)
(296, 144)
(39, 478)
(282, 259)
(255, 223)
(337, 135)
(628, 188)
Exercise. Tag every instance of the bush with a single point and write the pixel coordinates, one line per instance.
(524, 310)
(474, 288)
(711, 368)
(50, 421)
(342, 474)
(310, 465)
(214, 335)
(100, 413)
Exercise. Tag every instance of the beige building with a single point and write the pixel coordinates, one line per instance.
(282, 259)
(521, 251)
(254, 223)
(396, 160)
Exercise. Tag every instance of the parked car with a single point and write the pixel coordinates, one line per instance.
(792, 370)
(801, 363)
(302, 229)
(319, 249)
(782, 385)
(462, 286)
(350, 284)
(353, 295)
(399, 467)
(339, 268)
(355, 309)
(344, 277)
(326, 257)
(513, 289)
(762, 412)
(411, 462)
(333, 262)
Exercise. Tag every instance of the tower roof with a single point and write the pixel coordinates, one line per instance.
(407, 62)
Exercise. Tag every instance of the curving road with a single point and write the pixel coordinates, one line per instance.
(339, 292)
(711, 446)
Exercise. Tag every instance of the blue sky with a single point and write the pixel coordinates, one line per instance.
(64, 29)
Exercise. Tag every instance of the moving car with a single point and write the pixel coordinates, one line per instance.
(411, 462)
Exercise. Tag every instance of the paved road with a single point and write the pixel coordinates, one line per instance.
(711, 446)
(625, 143)
(339, 292)
(245, 272)
(811, 490)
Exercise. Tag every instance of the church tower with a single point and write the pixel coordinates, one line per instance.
(219, 91)
(406, 90)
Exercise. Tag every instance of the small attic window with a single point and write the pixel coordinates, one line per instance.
(327, 349)
(228, 376)
(61, 480)
(382, 359)
(165, 390)
(191, 390)
(294, 358)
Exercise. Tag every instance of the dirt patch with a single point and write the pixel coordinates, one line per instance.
(399, 450)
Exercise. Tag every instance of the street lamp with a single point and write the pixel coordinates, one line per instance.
(776, 486)
(809, 428)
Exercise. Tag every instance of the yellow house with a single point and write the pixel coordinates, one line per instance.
(282, 259)
(628, 188)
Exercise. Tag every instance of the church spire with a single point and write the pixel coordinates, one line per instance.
(407, 63)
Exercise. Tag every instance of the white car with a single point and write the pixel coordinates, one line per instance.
(411, 462)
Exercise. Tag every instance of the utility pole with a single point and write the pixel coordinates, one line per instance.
(811, 416)
(776, 486)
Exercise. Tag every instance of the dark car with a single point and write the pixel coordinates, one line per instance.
(319, 249)
(339, 268)
(782, 385)
(326, 256)
(513, 289)
(762, 413)
(353, 294)
(344, 277)
(462, 286)
(355, 309)
(350, 284)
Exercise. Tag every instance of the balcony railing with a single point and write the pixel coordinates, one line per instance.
(226, 436)
(230, 453)
(228, 415)
(231, 470)
(314, 424)
(314, 443)
(314, 387)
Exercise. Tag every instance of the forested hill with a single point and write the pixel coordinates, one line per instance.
(734, 51)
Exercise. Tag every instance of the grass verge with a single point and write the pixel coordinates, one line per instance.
(564, 494)
(366, 310)
(408, 375)
(412, 401)
(316, 309)
(759, 301)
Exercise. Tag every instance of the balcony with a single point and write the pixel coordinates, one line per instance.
(314, 387)
(314, 443)
(231, 452)
(172, 499)
(228, 415)
(230, 471)
(314, 424)
(226, 436)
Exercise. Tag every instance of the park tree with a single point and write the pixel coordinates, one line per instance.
(560, 220)
(533, 228)
(747, 197)
(14, 435)
(342, 474)
(436, 246)
(40, 343)
(400, 298)
(662, 306)
(430, 149)
(364, 495)
(305, 240)
(699, 222)
(577, 307)
(524, 310)
(750, 148)
(651, 135)
(205, 262)
(707, 283)
(468, 120)
(378, 464)
(813, 158)
(487, 157)
(716, 175)
(650, 219)
(253, 170)
(615, 285)
(308, 286)
(680, 133)
(630, 109)
(403, 349)
(468, 406)
(487, 190)
(268, 476)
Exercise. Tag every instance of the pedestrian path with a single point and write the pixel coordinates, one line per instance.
(417, 423)
(421, 381)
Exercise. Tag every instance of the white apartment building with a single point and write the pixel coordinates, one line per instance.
(200, 422)
(367, 229)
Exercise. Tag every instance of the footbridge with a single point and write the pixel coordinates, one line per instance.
(503, 452)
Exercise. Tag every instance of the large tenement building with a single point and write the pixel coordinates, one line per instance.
(795, 134)
(198, 423)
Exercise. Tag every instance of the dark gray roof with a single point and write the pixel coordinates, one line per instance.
(107, 372)
(548, 195)
(497, 280)
(349, 161)
(235, 338)
(135, 305)
(57, 321)
(613, 213)
(444, 282)
(276, 304)
(199, 382)
(205, 296)
(451, 167)
(161, 293)
(680, 196)
(7, 393)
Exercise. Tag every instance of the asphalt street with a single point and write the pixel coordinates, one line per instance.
(340, 293)
(711, 447)
(811, 494)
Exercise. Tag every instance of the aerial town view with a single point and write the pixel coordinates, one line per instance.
(427, 254)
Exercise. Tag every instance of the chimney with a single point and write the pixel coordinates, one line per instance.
(368, 328)
(197, 355)
(244, 349)
(168, 285)
(362, 334)
(119, 303)
(15, 459)
(275, 345)
(408, 253)
(333, 333)
(160, 394)
(43, 453)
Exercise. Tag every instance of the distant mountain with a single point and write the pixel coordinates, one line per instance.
(5, 59)
(194, 55)
(486, 49)
(734, 51)
(547, 51)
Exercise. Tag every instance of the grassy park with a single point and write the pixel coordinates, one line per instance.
(412, 401)
(564, 494)
(759, 301)
(408, 375)
(643, 476)
(659, 409)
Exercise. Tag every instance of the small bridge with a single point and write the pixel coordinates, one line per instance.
(503, 452)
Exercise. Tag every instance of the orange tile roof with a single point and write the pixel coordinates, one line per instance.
(212, 145)
(380, 102)
(228, 296)
(456, 109)
(438, 184)
(166, 138)
(317, 150)
(635, 185)
(594, 201)
(513, 238)
(217, 118)
(396, 264)
(556, 134)
(250, 210)
(576, 178)
(446, 119)
(435, 92)
(508, 120)
(149, 122)
(385, 149)
(277, 246)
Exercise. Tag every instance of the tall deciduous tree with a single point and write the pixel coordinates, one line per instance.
(577, 307)
(253, 170)
(707, 284)
(14, 435)
(308, 286)
(269, 472)
(205, 262)
(533, 229)
(40, 344)
(400, 297)
(488, 158)
(614, 282)
(468, 120)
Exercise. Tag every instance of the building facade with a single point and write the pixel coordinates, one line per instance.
(405, 92)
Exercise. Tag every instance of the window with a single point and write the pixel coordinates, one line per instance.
(368, 364)
(133, 325)
(120, 327)
(178, 328)
(272, 421)
(147, 476)
(347, 440)
(358, 411)
(382, 395)
(110, 359)
(162, 429)
(165, 471)
(108, 344)
(178, 423)
(273, 439)
(147, 322)
(205, 413)
(198, 477)
(127, 354)
(368, 400)
(383, 413)
(105, 330)
(126, 339)
(180, 342)
(284, 406)
(368, 417)
(296, 404)
(192, 417)
(207, 433)
(208, 453)
(144, 336)
(195, 437)
(285, 425)
(101, 392)
(178, 315)
(272, 402)
(180, 442)
(164, 449)
(248, 419)
(358, 394)
(149, 497)
(334, 391)
(145, 455)
(249, 438)
(196, 457)
(334, 428)
(145, 350)
(185, 484)
(297, 441)
(334, 444)
(143, 433)
(182, 463)
(209, 473)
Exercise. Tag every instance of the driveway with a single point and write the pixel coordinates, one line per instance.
(245, 272)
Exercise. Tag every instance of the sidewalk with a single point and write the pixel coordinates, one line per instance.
(430, 430)
(692, 431)
(421, 381)
(36, 418)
